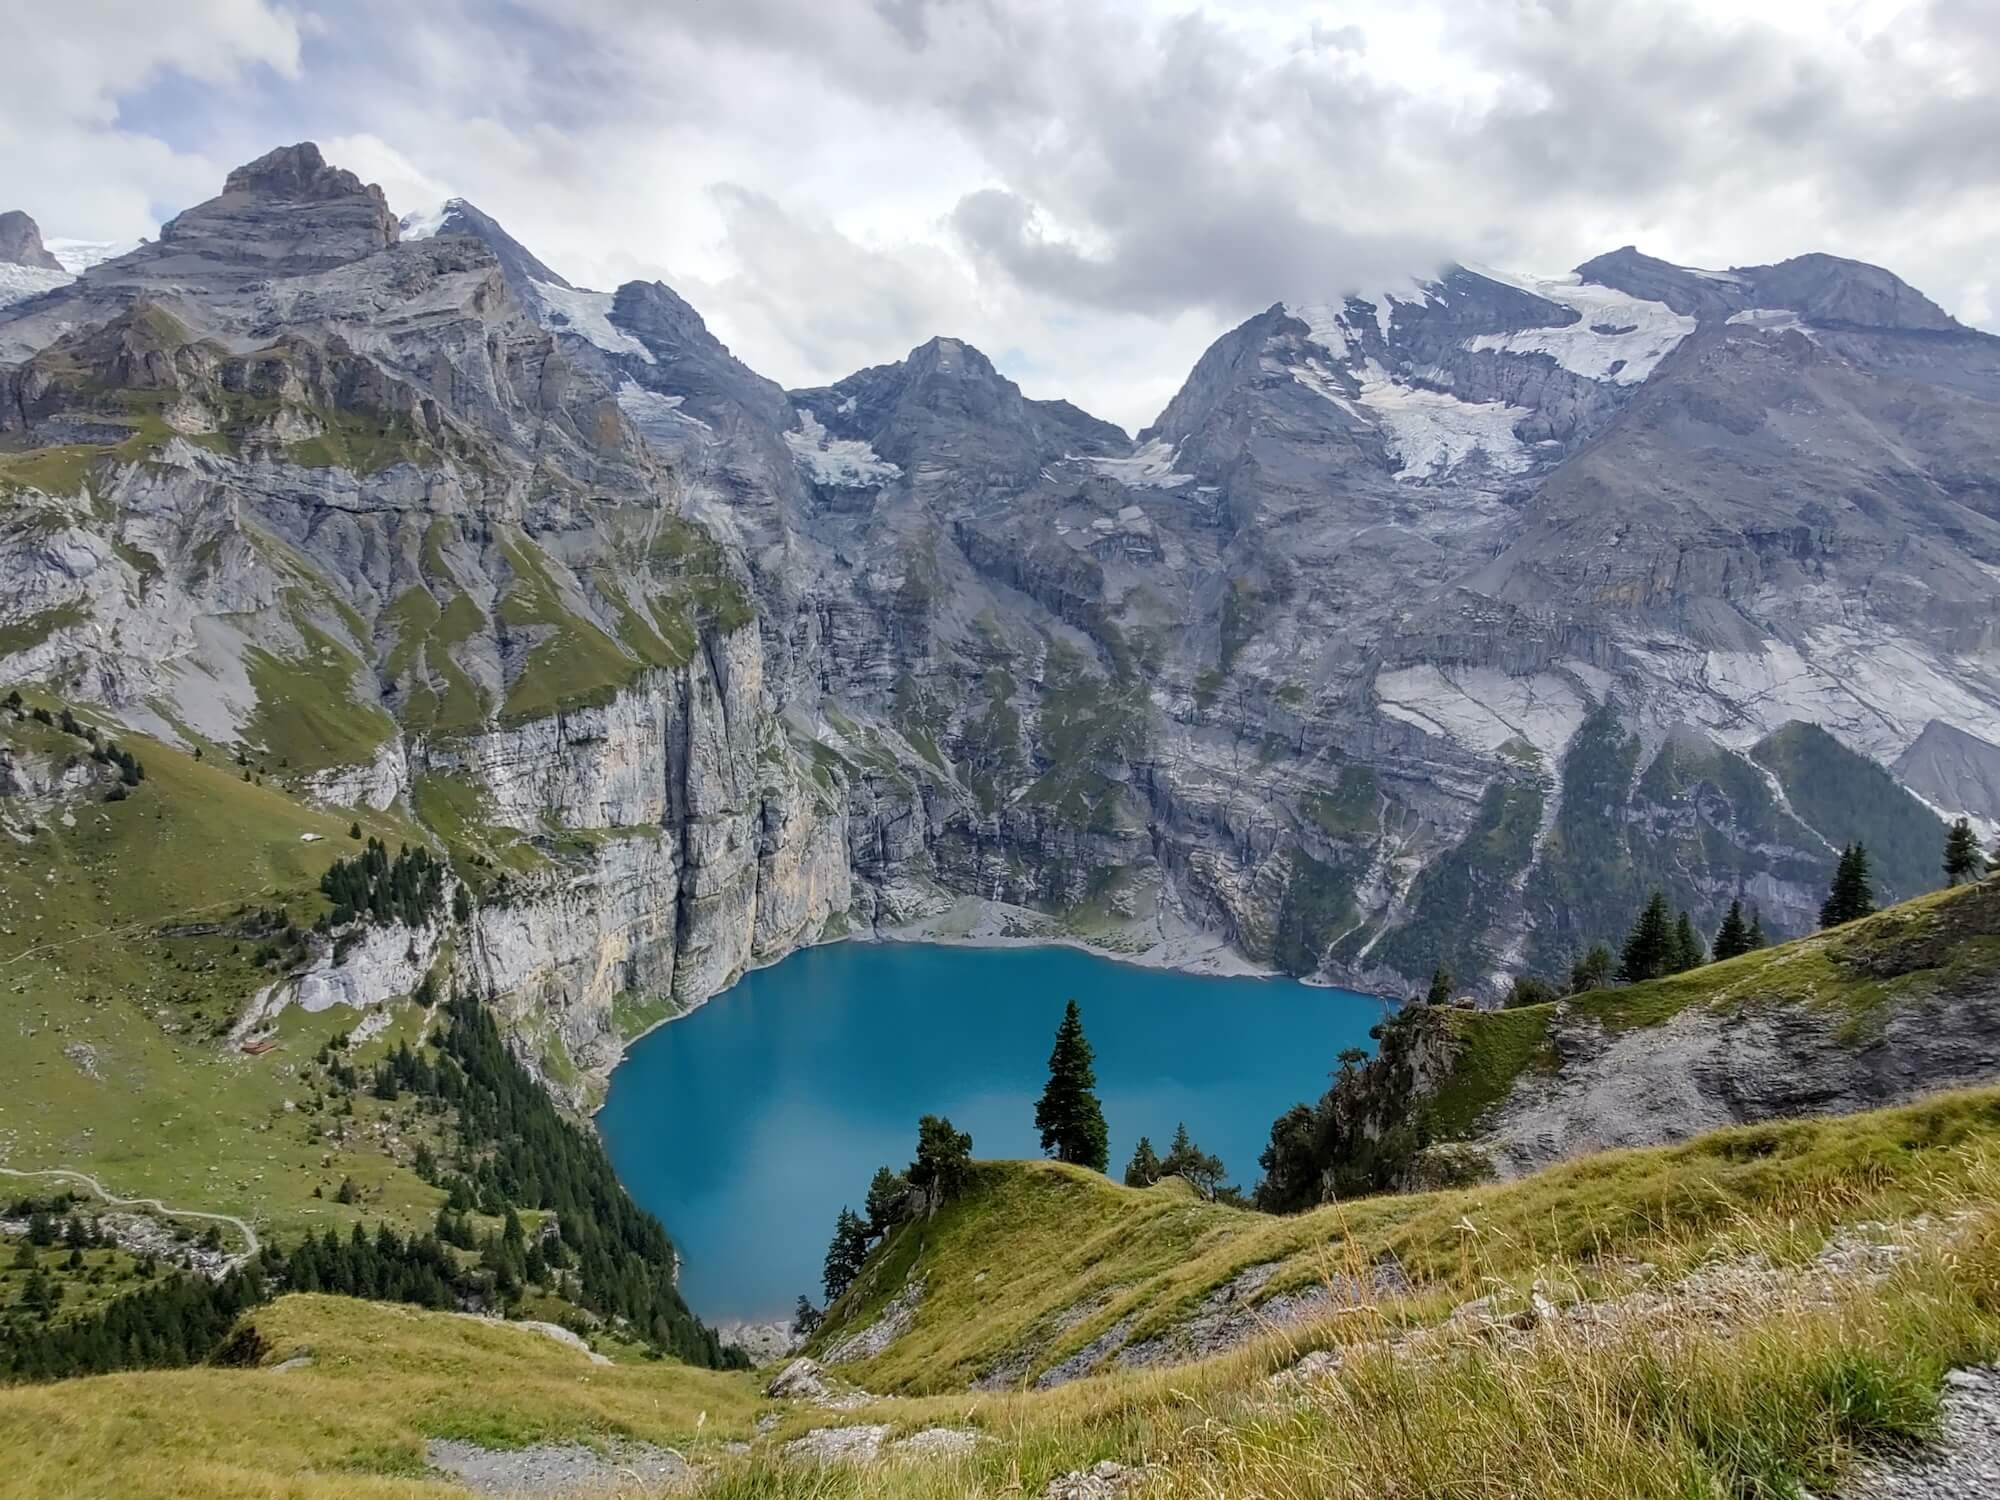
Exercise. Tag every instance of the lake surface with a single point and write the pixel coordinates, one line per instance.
(748, 1124)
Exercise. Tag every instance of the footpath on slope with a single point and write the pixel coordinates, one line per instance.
(251, 1244)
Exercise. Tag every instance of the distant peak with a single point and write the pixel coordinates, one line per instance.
(21, 243)
(296, 172)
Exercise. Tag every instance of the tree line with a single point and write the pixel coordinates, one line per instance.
(370, 885)
(598, 1250)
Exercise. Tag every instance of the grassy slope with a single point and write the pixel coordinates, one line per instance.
(1034, 1241)
(353, 1423)
(101, 948)
(1756, 1408)
(1857, 972)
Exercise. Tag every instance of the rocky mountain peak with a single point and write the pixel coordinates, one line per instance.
(288, 210)
(21, 243)
(296, 172)
(458, 216)
(1831, 289)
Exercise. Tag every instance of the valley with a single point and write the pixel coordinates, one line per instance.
(424, 680)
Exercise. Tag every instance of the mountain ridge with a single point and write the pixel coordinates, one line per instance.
(1154, 685)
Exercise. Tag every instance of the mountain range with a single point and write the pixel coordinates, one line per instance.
(1429, 625)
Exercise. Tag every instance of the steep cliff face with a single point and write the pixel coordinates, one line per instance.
(1428, 626)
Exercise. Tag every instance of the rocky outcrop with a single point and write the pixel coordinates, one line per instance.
(21, 243)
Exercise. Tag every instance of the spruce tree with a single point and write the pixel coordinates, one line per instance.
(1756, 933)
(1732, 938)
(1650, 946)
(1440, 990)
(1069, 1117)
(1851, 896)
(943, 1161)
(1961, 854)
(1144, 1168)
(846, 1253)
(888, 1198)
(1688, 952)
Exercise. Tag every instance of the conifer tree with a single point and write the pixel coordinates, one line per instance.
(1756, 934)
(1688, 952)
(1650, 946)
(888, 1198)
(1069, 1117)
(1961, 854)
(846, 1253)
(1851, 895)
(943, 1161)
(1186, 1160)
(1144, 1168)
(1440, 990)
(1732, 938)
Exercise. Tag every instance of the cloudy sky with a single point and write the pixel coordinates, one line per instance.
(1090, 190)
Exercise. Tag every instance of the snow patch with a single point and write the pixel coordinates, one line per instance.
(1772, 320)
(426, 222)
(19, 283)
(1434, 432)
(587, 314)
(839, 463)
(1617, 337)
(1322, 382)
(78, 256)
(1727, 278)
(655, 415)
(1149, 467)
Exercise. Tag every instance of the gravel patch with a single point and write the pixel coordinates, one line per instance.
(1102, 1481)
(1964, 1464)
(557, 1468)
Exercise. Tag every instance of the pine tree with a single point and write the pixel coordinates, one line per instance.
(1144, 1168)
(943, 1161)
(1756, 933)
(1187, 1161)
(846, 1254)
(1650, 946)
(1961, 854)
(1440, 990)
(1851, 896)
(1732, 938)
(888, 1200)
(806, 1318)
(1069, 1117)
(1688, 952)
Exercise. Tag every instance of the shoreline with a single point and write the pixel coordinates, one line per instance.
(1217, 960)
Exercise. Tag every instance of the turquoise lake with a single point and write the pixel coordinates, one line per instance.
(747, 1125)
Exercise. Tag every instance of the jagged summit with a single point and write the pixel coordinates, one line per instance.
(946, 391)
(21, 243)
(458, 216)
(298, 173)
(288, 211)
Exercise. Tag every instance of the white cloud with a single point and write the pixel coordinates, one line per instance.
(1088, 189)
